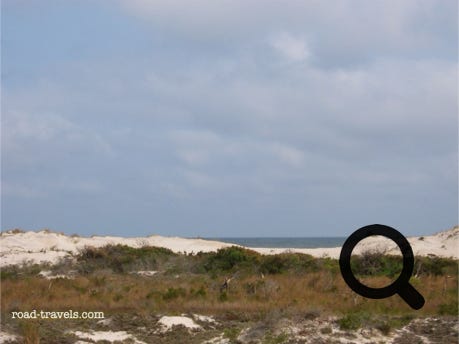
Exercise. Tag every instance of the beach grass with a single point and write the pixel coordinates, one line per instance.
(104, 279)
(262, 289)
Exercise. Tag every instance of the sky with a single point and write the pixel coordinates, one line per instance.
(229, 118)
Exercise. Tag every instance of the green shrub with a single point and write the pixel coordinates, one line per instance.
(154, 294)
(80, 289)
(276, 263)
(353, 321)
(437, 266)
(272, 339)
(9, 272)
(384, 327)
(376, 264)
(329, 264)
(349, 322)
(386, 324)
(231, 333)
(121, 258)
(173, 293)
(223, 297)
(379, 264)
(26, 270)
(201, 292)
(226, 259)
(280, 263)
(448, 308)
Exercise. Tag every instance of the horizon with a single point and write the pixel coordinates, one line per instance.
(51, 231)
(130, 117)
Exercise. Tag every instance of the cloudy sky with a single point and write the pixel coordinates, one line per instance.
(229, 118)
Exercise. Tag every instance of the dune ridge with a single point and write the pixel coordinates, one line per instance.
(46, 246)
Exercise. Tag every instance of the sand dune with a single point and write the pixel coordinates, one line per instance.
(45, 246)
(442, 244)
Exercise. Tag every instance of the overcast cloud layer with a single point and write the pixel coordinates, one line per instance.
(229, 118)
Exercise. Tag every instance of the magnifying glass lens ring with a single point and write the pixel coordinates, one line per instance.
(354, 283)
(362, 289)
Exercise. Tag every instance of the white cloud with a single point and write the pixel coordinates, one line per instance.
(199, 180)
(293, 48)
(287, 104)
(31, 137)
(291, 155)
(346, 34)
(194, 157)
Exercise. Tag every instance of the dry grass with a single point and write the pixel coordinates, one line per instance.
(30, 332)
(248, 295)
(262, 288)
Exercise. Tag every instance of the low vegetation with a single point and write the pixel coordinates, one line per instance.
(121, 258)
(105, 279)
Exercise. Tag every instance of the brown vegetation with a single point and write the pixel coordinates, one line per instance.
(294, 283)
(289, 284)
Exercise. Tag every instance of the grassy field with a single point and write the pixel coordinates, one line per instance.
(262, 287)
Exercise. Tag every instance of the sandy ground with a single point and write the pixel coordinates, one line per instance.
(168, 322)
(109, 336)
(6, 337)
(442, 244)
(325, 329)
(321, 330)
(45, 246)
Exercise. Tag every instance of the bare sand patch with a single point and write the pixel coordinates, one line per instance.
(109, 336)
(168, 322)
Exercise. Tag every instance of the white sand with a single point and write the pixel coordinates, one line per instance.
(203, 318)
(148, 273)
(49, 275)
(218, 340)
(109, 336)
(105, 322)
(49, 247)
(7, 337)
(443, 244)
(44, 246)
(167, 323)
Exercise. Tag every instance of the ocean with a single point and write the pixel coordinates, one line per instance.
(306, 242)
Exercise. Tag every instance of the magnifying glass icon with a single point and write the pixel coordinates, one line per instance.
(400, 286)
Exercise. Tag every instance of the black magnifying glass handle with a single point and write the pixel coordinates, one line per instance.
(411, 296)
